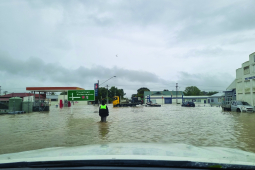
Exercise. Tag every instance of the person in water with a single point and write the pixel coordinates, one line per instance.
(103, 111)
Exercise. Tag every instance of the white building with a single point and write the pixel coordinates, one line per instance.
(245, 81)
(196, 99)
(163, 97)
(171, 97)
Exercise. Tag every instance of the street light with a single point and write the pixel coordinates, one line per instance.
(107, 87)
(105, 80)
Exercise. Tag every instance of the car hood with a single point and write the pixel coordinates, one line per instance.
(135, 151)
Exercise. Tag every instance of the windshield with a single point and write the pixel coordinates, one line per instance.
(245, 103)
(161, 76)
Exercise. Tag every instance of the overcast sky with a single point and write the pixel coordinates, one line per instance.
(158, 43)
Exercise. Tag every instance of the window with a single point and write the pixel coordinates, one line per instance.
(246, 70)
(212, 100)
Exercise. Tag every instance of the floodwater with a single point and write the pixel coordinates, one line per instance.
(79, 125)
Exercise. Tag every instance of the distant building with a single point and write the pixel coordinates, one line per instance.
(196, 99)
(216, 99)
(163, 97)
(21, 95)
(169, 97)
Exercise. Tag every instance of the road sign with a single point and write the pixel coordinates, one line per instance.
(81, 95)
(96, 89)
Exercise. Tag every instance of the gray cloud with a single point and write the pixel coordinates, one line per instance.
(36, 72)
(206, 82)
(158, 43)
(35, 67)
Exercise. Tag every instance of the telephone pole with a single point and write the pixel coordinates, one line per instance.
(107, 95)
(176, 92)
(98, 92)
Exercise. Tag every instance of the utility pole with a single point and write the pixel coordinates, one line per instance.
(107, 95)
(0, 91)
(98, 92)
(107, 89)
(176, 91)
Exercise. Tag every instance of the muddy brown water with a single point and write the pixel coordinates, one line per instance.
(199, 126)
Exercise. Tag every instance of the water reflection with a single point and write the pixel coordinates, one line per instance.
(103, 129)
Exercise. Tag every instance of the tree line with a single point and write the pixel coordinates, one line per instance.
(113, 91)
(195, 91)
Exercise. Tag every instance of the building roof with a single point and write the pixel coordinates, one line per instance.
(195, 97)
(52, 89)
(232, 85)
(218, 95)
(21, 95)
(162, 93)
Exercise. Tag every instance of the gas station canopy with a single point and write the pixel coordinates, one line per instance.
(52, 89)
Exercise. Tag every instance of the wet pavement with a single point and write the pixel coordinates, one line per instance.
(199, 126)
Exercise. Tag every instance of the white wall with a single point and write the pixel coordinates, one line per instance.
(245, 89)
(188, 98)
(160, 101)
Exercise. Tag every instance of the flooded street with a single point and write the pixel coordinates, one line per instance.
(199, 126)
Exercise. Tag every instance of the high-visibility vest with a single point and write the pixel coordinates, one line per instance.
(103, 107)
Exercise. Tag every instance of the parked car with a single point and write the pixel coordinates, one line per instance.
(241, 106)
(188, 104)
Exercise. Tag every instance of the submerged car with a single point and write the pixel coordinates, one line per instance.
(188, 104)
(241, 106)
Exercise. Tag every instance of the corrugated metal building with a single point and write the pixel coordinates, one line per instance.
(163, 97)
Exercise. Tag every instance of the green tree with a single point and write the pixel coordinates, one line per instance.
(115, 91)
(142, 89)
(192, 91)
(103, 91)
(133, 95)
(166, 90)
(211, 93)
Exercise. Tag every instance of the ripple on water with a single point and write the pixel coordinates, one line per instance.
(199, 126)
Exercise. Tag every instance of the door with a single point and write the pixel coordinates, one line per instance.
(204, 101)
(233, 106)
(168, 100)
(208, 100)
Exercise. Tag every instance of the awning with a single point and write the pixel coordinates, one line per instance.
(52, 89)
